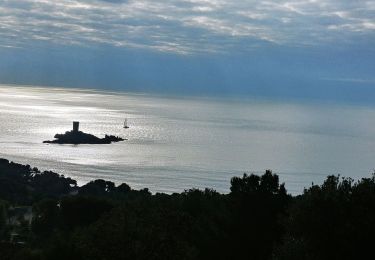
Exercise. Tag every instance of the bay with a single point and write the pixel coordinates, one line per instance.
(177, 143)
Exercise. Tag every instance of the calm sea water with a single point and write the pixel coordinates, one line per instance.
(175, 144)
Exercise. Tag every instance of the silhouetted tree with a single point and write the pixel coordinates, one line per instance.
(123, 188)
(97, 188)
(46, 218)
(257, 205)
(82, 211)
(256, 220)
(3, 217)
(333, 221)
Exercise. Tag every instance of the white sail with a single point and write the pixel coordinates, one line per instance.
(126, 123)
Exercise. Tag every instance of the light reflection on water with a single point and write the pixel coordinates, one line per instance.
(175, 144)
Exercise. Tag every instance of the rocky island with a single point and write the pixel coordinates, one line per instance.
(78, 137)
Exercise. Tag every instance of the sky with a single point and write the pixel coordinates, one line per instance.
(314, 49)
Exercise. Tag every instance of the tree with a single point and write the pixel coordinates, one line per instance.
(258, 204)
(82, 211)
(46, 217)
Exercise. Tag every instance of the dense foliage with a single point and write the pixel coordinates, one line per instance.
(256, 220)
(21, 184)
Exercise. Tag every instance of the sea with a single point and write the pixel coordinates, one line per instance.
(178, 143)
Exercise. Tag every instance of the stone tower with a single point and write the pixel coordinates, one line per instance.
(75, 126)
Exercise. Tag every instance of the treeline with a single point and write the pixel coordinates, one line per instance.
(256, 220)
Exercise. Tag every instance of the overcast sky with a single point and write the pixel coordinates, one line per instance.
(279, 48)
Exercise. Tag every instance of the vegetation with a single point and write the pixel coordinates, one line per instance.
(256, 220)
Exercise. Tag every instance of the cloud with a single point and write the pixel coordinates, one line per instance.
(114, 1)
(187, 26)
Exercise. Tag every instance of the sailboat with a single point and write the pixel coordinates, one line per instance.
(126, 123)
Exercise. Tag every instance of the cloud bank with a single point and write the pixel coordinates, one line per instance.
(187, 26)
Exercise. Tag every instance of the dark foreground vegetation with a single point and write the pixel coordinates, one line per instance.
(47, 216)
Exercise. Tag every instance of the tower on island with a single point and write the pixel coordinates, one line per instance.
(75, 126)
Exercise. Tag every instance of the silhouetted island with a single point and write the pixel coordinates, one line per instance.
(78, 137)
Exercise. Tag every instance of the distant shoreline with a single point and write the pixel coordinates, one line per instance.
(199, 97)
